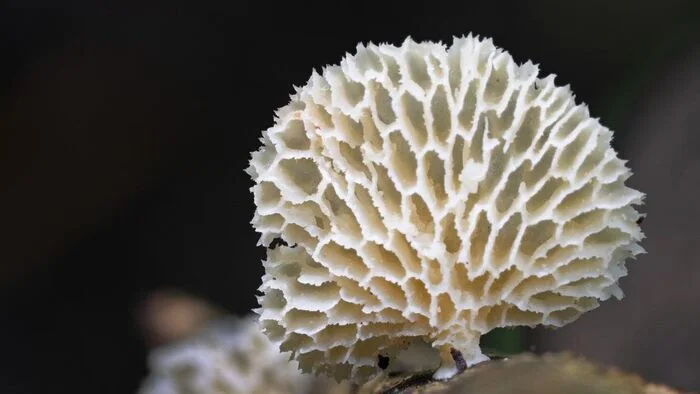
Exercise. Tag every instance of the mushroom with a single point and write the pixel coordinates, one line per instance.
(228, 356)
(426, 193)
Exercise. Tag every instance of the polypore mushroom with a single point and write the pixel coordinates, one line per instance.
(227, 357)
(432, 193)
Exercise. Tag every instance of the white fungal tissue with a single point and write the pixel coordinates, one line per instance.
(432, 193)
(230, 356)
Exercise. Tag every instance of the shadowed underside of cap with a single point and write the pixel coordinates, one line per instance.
(433, 193)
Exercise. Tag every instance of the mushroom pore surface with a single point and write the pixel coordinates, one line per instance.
(431, 193)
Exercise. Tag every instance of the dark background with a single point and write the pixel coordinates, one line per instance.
(125, 129)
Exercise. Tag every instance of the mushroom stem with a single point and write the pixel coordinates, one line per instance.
(459, 360)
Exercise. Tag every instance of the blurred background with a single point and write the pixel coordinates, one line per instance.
(125, 129)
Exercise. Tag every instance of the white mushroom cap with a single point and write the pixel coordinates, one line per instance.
(434, 193)
(230, 356)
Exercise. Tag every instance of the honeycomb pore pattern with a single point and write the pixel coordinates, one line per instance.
(433, 193)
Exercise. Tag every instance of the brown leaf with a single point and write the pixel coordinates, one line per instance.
(523, 374)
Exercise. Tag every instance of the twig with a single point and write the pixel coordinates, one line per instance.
(459, 359)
